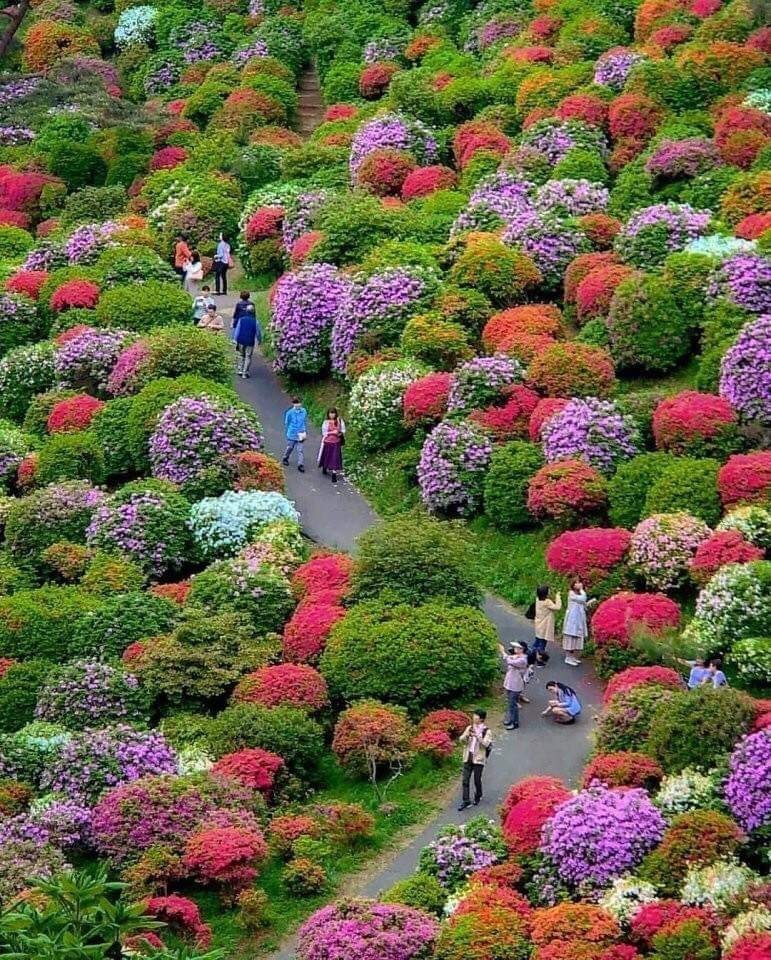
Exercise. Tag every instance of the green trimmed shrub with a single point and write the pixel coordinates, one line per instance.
(70, 456)
(15, 243)
(12, 578)
(625, 721)
(628, 487)
(41, 623)
(581, 164)
(93, 205)
(415, 559)
(506, 484)
(110, 428)
(176, 351)
(687, 275)
(263, 596)
(420, 891)
(144, 305)
(414, 656)
(25, 372)
(78, 164)
(501, 273)
(107, 574)
(640, 406)
(19, 689)
(689, 485)
(352, 224)
(119, 621)
(20, 321)
(132, 264)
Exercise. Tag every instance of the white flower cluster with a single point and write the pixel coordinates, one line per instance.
(135, 25)
(626, 896)
(718, 884)
(688, 790)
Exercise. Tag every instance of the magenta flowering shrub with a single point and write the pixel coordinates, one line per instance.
(747, 789)
(600, 834)
(744, 280)
(651, 234)
(482, 381)
(366, 930)
(88, 693)
(397, 132)
(304, 307)
(126, 374)
(452, 467)
(614, 66)
(744, 379)
(195, 433)
(97, 760)
(592, 430)
(571, 198)
(663, 546)
(673, 159)
(85, 361)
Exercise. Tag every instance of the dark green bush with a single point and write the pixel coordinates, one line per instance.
(70, 456)
(506, 483)
(119, 621)
(15, 243)
(110, 428)
(266, 601)
(131, 264)
(499, 272)
(19, 689)
(144, 305)
(687, 275)
(414, 656)
(176, 351)
(420, 891)
(581, 165)
(629, 485)
(640, 404)
(42, 623)
(12, 578)
(689, 485)
(93, 205)
(78, 164)
(353, 225)
(625, 722)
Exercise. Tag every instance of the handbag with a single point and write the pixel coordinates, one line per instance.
(231, 264)
(302, 437)
(530, 612)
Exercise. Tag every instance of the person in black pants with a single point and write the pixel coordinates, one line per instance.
(222, 261)
(477, 741)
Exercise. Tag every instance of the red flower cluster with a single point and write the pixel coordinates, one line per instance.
(384, 171)
(527, 807)
(286, 829)
(258, 471)
(425, 400)
(183, 916)
(493, 895)
(418, 47)
(671, 36)
(340, 111)
(741, 133)
(573, 369)
(375, 79)
(535, 54)
(225, 855)
(654, 917)
(132, 655)
(306, 631)
(253, 767)
(600, 229)
(5, 664)
(21, 191)
(745, 478)
(590, 553)
(752, 946)
(27, 282)
(327, 571)
(566, 490)
(506, 874)
(476, 135)
(168, 157)
(595, 291)
(75, 294)
(435, 744)
(14, 218)
(26, 472)
(536, 319)
(422, 181)
(751, 227)
(642, 677)
(635, 116)
(544, 411)
(616, 619)
(304, 245)
(690, 415)
(176, 592)
(74, 413)
(264, 224)
(624, 769)
(510, 420)
(291, 684)
(722, 548)
(581, 267)
(583, 106)
(451, 722)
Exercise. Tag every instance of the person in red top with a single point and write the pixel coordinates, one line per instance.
(182, 254)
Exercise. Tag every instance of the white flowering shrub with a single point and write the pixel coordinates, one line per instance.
(625, 897)
(718, 884)
(375, 408)
(135, 25)
(688, 790)
(753, 522)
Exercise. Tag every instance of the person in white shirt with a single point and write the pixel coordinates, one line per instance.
(201, 302)
(193, 274)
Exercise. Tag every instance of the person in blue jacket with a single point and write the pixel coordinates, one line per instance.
(296, 425)
(246, 332)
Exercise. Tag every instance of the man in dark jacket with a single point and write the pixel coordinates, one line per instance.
(246, 332)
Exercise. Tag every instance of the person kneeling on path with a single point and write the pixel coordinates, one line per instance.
(246, 332)
(477, 741)
(296, 425)
(565, 705)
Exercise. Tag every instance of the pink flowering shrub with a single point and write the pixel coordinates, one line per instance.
(307, 630)
(252, 766)
(634, 677)
(566, 491)
(695, 424)
(226, 856)
(663, 546)
(617, 619)
(435, 744)
(425, 400)
(590, 554)
(288, 684)
(183, 917)
(745, 478)
(721, 548)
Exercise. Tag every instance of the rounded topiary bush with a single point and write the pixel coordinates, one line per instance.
(414, 656)
(375, 406)
(629, 486)
(43, 623)
(70, 456)
(745, 478)
(625, 616)
(591, 554)
(142, 306)
(567, 491)
(696, 425)
(502, 274)
(687, 484)
(20, 687)
(512, 467)
(573, 370)
(645, 327)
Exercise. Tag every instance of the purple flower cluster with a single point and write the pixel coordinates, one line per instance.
(591, 430)
(13, 136)
(501, 199)
(48, 255)
(745, 280)
(460, 854)
(256, 49)
(452, 466)
(198, 46)
(89, 693)
(15, 90)
(86, 243)
(683, 158)
(554, 138)
(63, 823)
(17, 309)
(481, 381)
(748, 786)
(161, 77)
(383, 49)
(600, 834)
(571, 198)
(745, 373)
(366, 930)
(499, 28)
(86, 360)
(383, 303)
(397, 132)
(651, 234)
(614, 66)
(298, 216)
(304, 308)
(551, 243)
(97, 760)
(194, 433)
(124, 377)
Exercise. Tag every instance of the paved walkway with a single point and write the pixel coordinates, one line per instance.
(311, 109)
(335, 515)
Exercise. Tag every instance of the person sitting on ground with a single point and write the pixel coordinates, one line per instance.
(211, 320)
(202, 302)
(565, 705)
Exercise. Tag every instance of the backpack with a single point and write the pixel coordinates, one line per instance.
(530, 612)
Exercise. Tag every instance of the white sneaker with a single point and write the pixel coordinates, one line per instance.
(571, 662)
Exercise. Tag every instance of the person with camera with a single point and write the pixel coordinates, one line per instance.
(477, 742)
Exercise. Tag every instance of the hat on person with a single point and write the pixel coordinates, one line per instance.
(515, 645)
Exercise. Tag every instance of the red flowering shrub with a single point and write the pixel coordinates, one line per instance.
(285, 684)
(745, 478)
(487, 933)
(27, 282)
(304, 246)
(419, 46)
(183, 916)
(721, 548)
(435, 744)
(21, 190)
(423, 181)
(370, 734)
(546, 408)
(324, 572)
(258, 471)
(375, 79)
(476, 135)
(694, 837)
(595, 291)
(510, 420)
(600, 229)
(132, 655)
(751, 227)
(694, 424)
(74, 413)
(26, 472)
(573, 370)
(624, 769)
(535, 54)
(75, 294)
(384, 171)
(306, 632)
(624, 151)
(535, 319)
(741, 149)
(654, 917)
(264, 224)
(425, 400)
(252, 766)
(583, 106)
(526, 808)
(740, 120)
(752, 946)
(590, 554)
(566, 491)
(570, 922)
(176, 592)
(506, 874)
(672, 35)
(641, 677)
(279, 137)
(285, 830)
(346, 823)
(721, 63)
(617, 619)
(14, 218)
(760, 39)
(581, 266)
(5, 664)
(244, 109)
(168, 157)
(451, 722)
(634, 115)
(340, 111)
(228, 856)
(492, 895)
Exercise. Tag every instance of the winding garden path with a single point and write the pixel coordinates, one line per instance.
(335, 515)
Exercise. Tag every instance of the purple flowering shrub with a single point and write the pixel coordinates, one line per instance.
(85, 243)
(614, 66)
(63, 823)
(555, 138)
(600, 834)
(651, 234)
(592, 430)
(747, 789)
(745, 281)
(744, 371)
(551, 243)
(304, 308)
(502, 199)
(571, 198)
(88, 693)
(395, 131)
(86, 360)
(673, 159)
(482, 381)
(663, 546)
(452, 468)
(459, 851)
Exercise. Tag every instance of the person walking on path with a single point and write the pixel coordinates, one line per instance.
(202, 302)
(296, 426)
(211, 320)
(223, 261)
(182, 255)
(477, 741)
(246, 332)
(513, 682)
(574, 628)
(565, 705)
(193, 274)
(331, 449)
(543, 622)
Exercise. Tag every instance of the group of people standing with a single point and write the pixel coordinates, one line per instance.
(189, 267)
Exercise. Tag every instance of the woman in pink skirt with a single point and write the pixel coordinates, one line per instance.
(332, 440)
